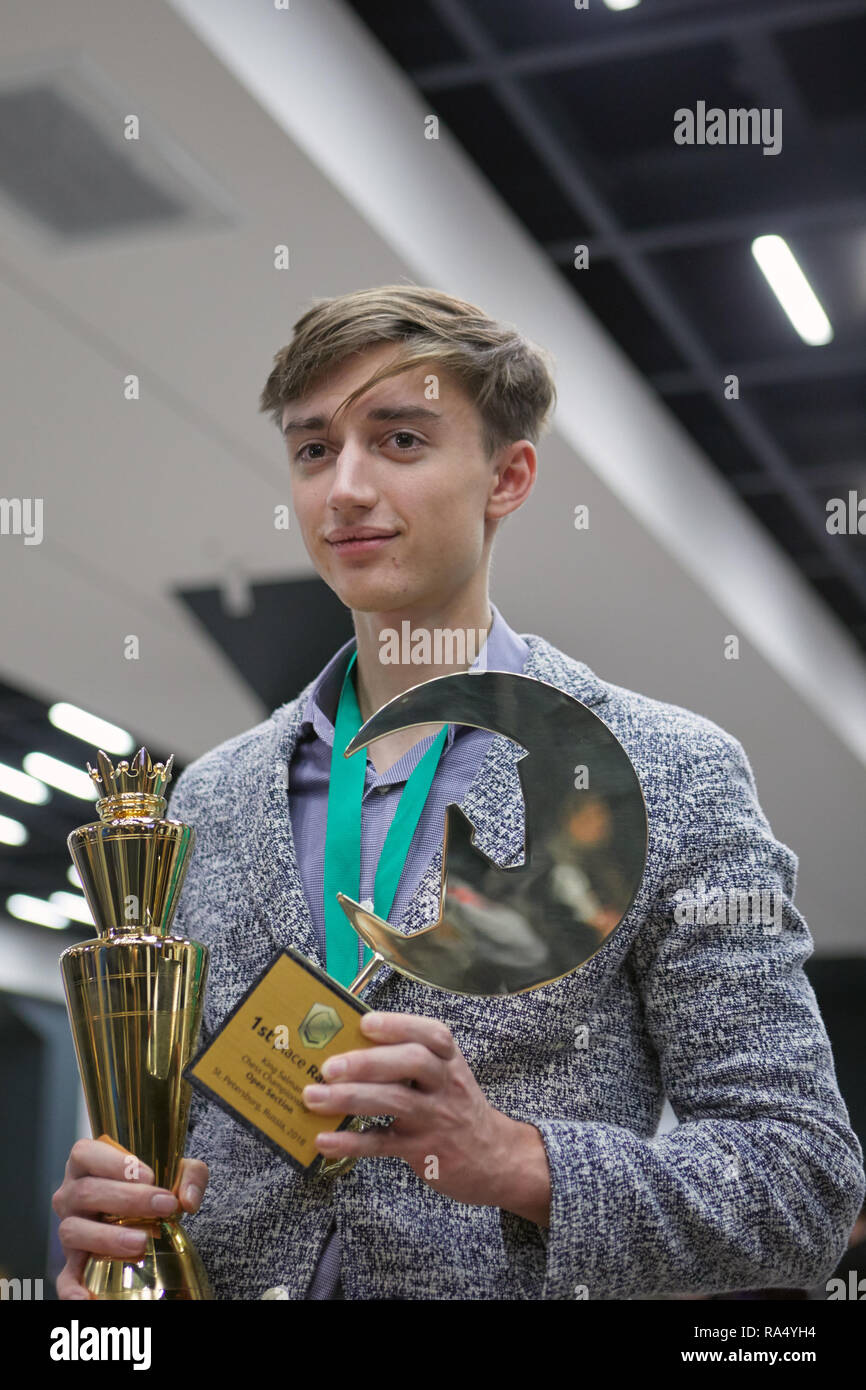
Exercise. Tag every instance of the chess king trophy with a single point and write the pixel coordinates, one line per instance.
(135, 996)
(503, 931)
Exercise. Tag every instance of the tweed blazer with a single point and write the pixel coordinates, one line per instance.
(759, 1184)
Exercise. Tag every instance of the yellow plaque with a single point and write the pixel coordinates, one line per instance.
(272, 1045)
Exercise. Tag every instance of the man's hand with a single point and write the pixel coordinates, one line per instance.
(101, 1179)
(420, 1076)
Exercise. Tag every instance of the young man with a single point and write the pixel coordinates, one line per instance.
(410, 420)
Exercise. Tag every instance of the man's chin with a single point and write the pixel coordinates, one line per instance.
(367, 597)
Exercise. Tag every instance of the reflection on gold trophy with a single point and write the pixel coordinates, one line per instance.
(135, 998)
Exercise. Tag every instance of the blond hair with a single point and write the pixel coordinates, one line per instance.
(509, 378)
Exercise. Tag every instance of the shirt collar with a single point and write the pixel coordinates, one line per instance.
(503, 650)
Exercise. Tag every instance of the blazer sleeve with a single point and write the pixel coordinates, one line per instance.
(761, 1182)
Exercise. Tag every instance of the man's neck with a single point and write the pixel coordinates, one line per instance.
(380, 678)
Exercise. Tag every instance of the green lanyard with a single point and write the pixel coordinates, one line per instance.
(343, 835)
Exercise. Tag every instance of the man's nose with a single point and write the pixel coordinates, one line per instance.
(353, 477)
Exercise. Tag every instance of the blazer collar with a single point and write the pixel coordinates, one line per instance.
(277, 893)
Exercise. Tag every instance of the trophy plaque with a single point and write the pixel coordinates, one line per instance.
(500, 931)
(135, 996)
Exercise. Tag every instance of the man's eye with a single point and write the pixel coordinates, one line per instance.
(404, 440)
(302, 453)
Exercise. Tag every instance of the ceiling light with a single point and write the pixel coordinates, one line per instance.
(73, 905)
(15, 783)
(621, 4)
(12, 832)
(792, 289)
(35, 910)
(72, 875)
(90, 728)
(60, 775)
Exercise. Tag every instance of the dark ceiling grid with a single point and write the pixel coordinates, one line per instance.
(490, 50)
(648, 32)
(647, 282)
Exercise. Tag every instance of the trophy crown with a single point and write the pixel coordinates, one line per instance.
(131, 788)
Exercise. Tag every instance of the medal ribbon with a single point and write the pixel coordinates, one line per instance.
(343, 835)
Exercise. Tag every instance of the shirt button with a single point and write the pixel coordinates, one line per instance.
(279, 1291)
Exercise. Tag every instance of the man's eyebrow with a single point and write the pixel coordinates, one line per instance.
(381, 412)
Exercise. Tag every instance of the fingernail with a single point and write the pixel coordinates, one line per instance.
(164, 1203)
(134, 1240)
(335, 1066)
(312, 1094)
(192, 1196)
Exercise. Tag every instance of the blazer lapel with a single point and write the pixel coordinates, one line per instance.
(276, 887)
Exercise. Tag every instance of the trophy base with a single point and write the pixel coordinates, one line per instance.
(169, 1269)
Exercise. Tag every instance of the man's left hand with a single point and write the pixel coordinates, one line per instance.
(444, 1127)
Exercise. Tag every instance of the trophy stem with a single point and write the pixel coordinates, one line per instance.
(335, 1167)
(366, 974)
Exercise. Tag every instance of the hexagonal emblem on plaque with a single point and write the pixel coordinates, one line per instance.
(321, 1024)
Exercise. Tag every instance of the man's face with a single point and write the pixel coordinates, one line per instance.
(395, 462)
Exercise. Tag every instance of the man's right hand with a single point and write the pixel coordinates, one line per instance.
(101, 1179)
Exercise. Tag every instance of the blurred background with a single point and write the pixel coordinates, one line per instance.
(179, 180)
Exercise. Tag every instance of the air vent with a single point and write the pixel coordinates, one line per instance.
(67, 166)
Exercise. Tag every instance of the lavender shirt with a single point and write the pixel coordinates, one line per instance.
(309, 777)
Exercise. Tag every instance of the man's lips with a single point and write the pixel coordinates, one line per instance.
(359, 544)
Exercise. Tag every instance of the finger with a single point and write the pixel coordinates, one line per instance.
(68, 1282)
(404, 1028)
(192, 1182)
(103, 1196)
(353, 1098)
(100, 1238)
(390, 1062)
(378, 1142)
(93, 1156)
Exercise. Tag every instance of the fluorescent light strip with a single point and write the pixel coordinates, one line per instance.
(793, 291)
(61, 775)
(35, 910)
(90, 728)
(12, 832)
(621, 4)
(72, 875)
(73, 906)
(18, 784)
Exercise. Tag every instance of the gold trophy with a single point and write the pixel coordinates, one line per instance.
(135, 996)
